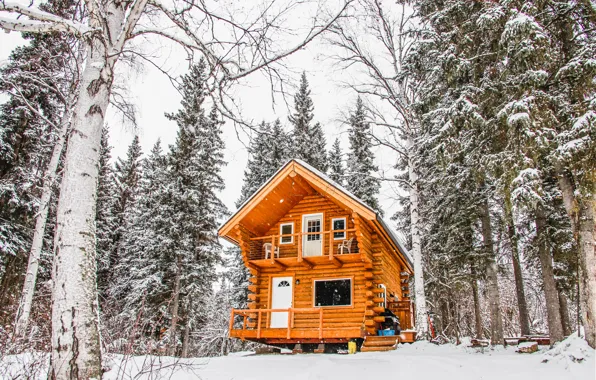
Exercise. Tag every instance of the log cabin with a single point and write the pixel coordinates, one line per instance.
(323, 266)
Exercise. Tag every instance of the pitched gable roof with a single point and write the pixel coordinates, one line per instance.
(294, 180)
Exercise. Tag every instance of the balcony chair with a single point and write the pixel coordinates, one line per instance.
(345, 244)
(267, 247)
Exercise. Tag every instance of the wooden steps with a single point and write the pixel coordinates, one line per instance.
(379, 343)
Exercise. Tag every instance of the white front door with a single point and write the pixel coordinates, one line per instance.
(312, 245)
(281, 298)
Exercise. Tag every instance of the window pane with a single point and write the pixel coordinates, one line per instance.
(339, 224)
(286, 229)
(313, 226)
(333, 293)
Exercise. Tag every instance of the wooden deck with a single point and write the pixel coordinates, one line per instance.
(255, 321)
(309, 262)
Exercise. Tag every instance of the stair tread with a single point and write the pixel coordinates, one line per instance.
(388, 343)
(376, 349)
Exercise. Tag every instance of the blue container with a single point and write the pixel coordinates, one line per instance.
(386, 332)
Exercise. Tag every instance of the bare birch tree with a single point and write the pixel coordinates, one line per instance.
(377, 41)
(234, 48)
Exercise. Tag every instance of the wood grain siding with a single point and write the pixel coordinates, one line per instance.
(311, 204)
(334, 317)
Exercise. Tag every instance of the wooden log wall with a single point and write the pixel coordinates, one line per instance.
(310, 204)
(336, 317)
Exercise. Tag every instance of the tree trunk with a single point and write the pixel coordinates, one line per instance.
(555, 329)
(524, 319)
(582, 215)
(175, 301)
(564, 308)
(587, 264)
(494, 298)
(76, 348)
(185, 339)
(419, 293)
(477, 312)
(22, 317)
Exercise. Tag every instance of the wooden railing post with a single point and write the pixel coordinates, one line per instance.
(289, 322)
(300, 248)
(259, 324)
(231, 321)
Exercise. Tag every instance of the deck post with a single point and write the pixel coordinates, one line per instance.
(231, 321)
(244, 323)
(320, 323)
(330, 248)
(259, 324)
(290, 312)
(300, 248)
(272, 249)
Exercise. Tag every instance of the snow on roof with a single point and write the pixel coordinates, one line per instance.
(397, 240)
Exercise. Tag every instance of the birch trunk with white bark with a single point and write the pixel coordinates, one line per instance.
(76, 349)
(24, 310)
(494, 298)
(419, 293)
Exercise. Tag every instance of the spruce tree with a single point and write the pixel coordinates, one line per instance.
(336, 166)
(126, 176)
(361, 169)
(195, 162)
(308, 140)
(105, 220)
(268, 151)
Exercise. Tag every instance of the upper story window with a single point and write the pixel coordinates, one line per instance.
(338, 224)
(286, 229)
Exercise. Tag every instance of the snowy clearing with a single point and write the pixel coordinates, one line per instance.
(569, 360)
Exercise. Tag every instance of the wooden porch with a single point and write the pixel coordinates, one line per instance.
(253, 324)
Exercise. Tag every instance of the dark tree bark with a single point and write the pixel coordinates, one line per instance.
(477, 313)
(555, 328)
(564, 308)
(524, 320)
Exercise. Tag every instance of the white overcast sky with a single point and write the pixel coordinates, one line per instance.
(153, 94)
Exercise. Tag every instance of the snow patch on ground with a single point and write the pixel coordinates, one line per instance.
(572, 350)
(420, 361)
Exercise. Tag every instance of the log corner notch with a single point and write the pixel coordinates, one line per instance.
(350, 251)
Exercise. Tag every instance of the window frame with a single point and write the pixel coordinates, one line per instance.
(281, 235)
(314, 291)
(345, 228)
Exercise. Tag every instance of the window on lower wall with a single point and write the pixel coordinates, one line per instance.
(333, 292)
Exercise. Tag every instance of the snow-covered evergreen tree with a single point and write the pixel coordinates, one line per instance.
(105, 220)
(269, 149)
(361, 169)
(336, 165)
(172, 243)
(308, 140)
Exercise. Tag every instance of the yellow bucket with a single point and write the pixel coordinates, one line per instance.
(351, 347)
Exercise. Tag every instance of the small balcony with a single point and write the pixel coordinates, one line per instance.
(305, 249)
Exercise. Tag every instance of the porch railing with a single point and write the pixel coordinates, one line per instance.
(257, 251)
(291, 312)
(404, 310)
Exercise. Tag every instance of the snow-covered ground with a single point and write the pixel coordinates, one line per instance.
(569, 360)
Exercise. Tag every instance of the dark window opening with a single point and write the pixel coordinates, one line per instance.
(287, 229)
(339, 224)
(333, 292)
